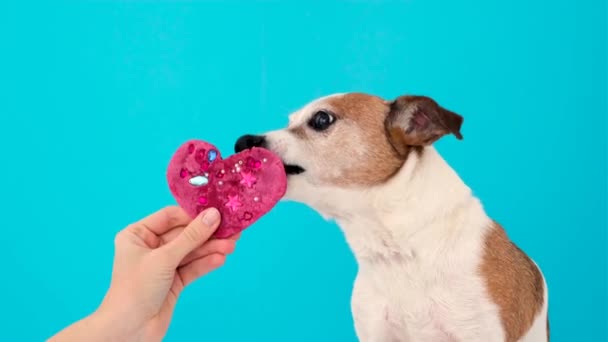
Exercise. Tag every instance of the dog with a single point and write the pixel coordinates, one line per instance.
(432, 266)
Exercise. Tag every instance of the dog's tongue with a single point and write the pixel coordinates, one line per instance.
(243, 187)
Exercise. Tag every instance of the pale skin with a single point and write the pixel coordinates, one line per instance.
(155, 259)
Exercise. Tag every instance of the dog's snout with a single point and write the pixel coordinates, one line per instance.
(249, 141)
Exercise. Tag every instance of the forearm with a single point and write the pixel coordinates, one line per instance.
(95, 328)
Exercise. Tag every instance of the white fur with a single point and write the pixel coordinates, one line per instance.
(418, 242)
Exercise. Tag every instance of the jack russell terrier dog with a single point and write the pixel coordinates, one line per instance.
(432, 266)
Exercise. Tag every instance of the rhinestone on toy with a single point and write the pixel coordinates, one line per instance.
(211, 155)
(183, 173)
(198, 181)
(253, 163)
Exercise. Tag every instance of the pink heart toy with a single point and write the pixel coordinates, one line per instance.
(243, 187)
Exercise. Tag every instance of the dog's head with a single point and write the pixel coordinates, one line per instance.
(353, 140)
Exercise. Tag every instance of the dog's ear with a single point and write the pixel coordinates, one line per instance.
(419, 121)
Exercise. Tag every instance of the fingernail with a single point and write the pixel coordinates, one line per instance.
(211, 216)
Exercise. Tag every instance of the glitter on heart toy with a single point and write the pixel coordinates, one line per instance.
(243, 187)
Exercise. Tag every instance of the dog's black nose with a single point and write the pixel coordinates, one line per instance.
(249, 141)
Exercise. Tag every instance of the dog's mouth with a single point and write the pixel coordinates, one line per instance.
(292, 169)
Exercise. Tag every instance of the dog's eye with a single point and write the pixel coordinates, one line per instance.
(321, 120)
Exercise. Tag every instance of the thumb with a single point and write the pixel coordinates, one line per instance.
(194, 235)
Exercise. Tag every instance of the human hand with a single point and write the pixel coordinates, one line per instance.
(154, 260)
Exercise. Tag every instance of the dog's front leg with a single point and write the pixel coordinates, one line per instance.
(369, 313)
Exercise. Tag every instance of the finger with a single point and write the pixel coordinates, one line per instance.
(199, 268)
(164, 220)
(173, 233)
(224, 247)
(170, 235)
(141, 234)
(194, 235)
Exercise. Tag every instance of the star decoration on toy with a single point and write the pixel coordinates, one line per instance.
(248, 179)
(233, 202)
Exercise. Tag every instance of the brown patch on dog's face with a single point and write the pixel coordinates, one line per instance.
(372, 158)
(357, 139)
(514, 282)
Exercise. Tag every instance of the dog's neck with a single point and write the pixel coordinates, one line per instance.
(424, 199)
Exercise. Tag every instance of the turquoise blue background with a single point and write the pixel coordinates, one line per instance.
(96, 96)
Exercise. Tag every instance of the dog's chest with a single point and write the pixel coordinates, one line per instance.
(417, 302)
(419, 278)
(424, 297)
